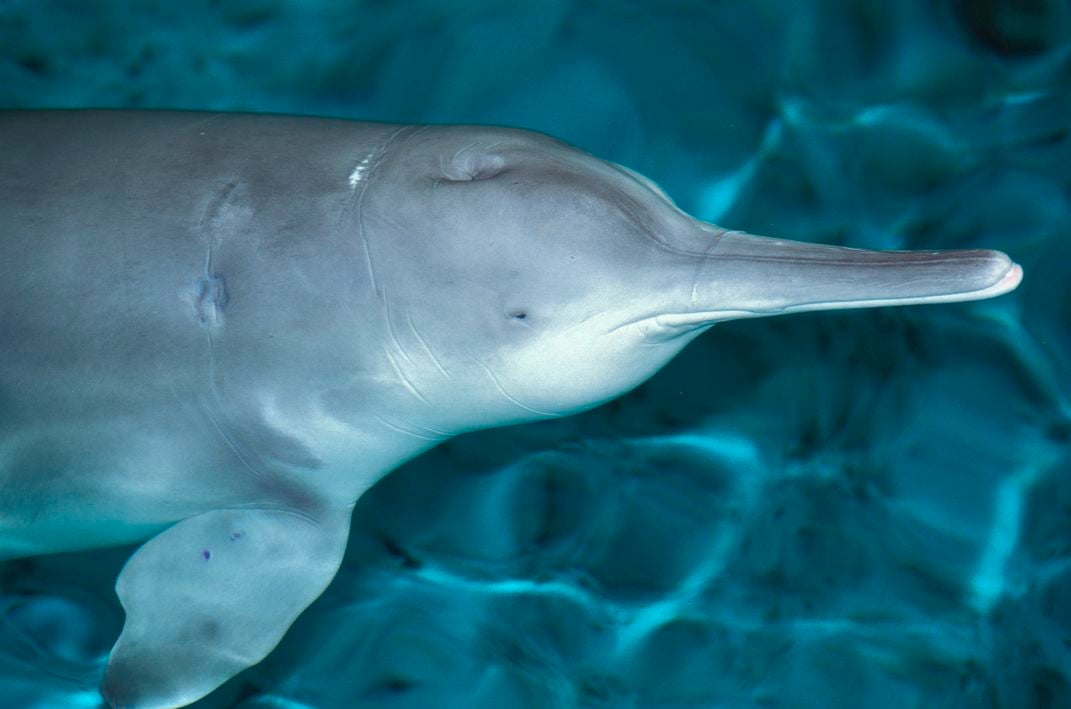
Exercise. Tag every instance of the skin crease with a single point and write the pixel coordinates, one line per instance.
(218, 330)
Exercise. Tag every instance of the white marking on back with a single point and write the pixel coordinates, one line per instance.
(359, 178)
(360, 172)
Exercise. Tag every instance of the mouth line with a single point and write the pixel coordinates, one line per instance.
(685, 322)
(1005, 284)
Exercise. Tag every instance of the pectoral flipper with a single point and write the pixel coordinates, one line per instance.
(213, 595)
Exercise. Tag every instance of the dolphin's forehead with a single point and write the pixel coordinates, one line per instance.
(469, 199)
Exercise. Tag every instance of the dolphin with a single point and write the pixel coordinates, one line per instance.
(218, 330)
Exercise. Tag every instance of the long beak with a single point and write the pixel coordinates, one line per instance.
(752, 276)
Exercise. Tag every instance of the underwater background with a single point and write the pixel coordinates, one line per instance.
(842, 509)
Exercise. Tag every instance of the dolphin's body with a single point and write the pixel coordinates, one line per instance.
(217, 331)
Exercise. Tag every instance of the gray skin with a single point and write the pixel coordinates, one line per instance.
(217, 331)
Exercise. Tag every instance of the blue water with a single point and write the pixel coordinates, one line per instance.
(851, 509)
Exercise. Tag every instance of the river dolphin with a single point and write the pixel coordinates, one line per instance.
(218, 330)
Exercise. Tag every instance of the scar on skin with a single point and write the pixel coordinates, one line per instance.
(211, 299)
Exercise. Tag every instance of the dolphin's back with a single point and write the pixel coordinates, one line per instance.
(145, 260)
(110, 221)
(92, 249)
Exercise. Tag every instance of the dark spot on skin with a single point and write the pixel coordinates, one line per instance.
(210, 630)
(206, 555)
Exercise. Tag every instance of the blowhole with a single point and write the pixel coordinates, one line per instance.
(471, 168)
(518, 314)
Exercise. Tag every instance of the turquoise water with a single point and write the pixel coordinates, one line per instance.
(838, 510)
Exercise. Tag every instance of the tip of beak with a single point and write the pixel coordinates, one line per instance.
(1010, 278)
(1010, 281)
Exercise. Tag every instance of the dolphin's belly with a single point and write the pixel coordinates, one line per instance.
(69, 488)
(108, 435)
(96, 481)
